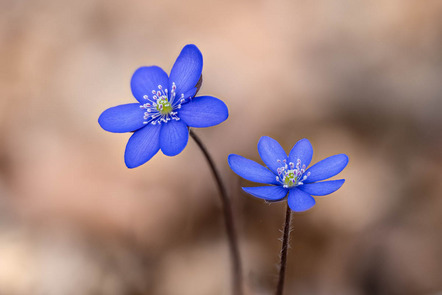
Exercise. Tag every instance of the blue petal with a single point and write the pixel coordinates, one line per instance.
(300, 201)
(187, 69)
(147, 79)
(122, 118)
(142, 146)
(303, 151)
(173, 137)
(322, 188)
(204, 111)
(251, 170)
(271, 152)
(268, 193)
(190, 93)
(326, 168)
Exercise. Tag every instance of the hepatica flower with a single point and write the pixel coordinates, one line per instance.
(288, 175)
(166, 107)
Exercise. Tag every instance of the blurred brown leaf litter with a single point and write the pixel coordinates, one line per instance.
(360, 77)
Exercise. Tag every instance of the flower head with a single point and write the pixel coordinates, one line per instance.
(166, 107)
(289, 174)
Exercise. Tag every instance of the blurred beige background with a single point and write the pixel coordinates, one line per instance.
(355, 77)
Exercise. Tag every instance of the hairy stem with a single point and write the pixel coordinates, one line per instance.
(284, 248)
(228, 219)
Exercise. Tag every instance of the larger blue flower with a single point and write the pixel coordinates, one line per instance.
(288, 174)
(166, 108)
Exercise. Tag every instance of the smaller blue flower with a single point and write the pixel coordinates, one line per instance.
(288, 174)
(165, 110)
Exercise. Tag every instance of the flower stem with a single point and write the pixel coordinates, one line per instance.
(228, 219)
(284, 248)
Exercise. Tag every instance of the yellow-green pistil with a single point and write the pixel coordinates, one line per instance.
(290, 179)
(163, 106)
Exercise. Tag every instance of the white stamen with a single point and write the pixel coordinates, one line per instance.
(291, 175)
(162, 106)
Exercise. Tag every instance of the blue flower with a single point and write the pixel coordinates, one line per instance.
(166, 107)
(289, 174)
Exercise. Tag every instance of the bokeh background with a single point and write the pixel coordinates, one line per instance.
(355, 77)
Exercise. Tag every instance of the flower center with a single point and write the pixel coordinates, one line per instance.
(290, 175)
(162, 106)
